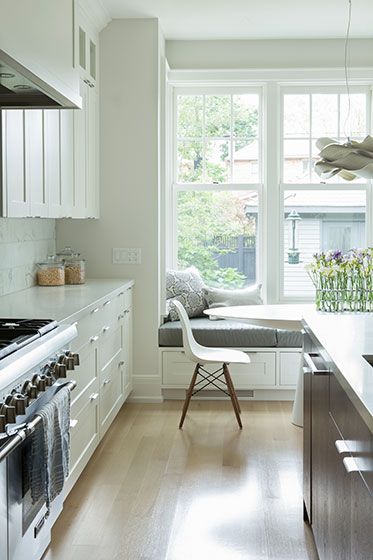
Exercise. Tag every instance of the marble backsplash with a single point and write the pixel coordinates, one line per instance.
(23, 243)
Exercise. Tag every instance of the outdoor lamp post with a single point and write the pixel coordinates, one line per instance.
(293, 252)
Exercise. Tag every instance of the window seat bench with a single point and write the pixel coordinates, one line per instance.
(271, 375)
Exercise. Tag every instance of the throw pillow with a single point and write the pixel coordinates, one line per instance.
(217, 297)
(186, 286)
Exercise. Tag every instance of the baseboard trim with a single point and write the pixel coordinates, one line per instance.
(148, 400)
(146, 388)
(258, 395)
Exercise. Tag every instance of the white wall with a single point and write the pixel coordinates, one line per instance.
(23, 242)
(129, 183)
(328, 53)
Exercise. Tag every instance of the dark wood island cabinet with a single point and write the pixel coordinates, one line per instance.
(338, 461)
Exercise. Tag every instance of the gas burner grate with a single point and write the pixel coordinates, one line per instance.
(16, 333)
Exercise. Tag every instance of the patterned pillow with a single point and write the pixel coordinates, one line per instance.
(185, 286)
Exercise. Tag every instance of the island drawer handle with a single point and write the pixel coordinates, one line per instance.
(95, 310)
(106, 329)
(107, 381)
(310, 363)
(341, 446)
(93, 339)
(350, 465)
(107, 303)
(93, 397)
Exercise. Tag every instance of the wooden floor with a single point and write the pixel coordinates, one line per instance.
(210, 491)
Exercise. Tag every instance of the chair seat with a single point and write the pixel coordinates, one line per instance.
(205, 355)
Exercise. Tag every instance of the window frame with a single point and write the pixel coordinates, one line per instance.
(271, 82)
(321, 185)
(177, 187)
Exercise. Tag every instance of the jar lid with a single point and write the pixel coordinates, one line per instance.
(66, 252)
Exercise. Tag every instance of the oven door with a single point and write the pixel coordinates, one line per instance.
(29, 525)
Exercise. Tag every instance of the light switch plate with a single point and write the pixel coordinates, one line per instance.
(125, 255)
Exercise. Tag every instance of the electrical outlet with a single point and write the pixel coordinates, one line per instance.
(126, 255)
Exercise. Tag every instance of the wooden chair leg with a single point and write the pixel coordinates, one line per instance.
(188, 396)
(232, 394)
(233, 390)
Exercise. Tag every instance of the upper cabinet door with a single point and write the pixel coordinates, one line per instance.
(14, 184)
(81, 154)
(67, 162)
(34, 163)
(52, 173)
(39, 35)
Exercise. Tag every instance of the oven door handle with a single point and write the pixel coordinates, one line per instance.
(23, 433)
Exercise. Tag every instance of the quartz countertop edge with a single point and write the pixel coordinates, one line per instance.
(346, 337)
(61, 303)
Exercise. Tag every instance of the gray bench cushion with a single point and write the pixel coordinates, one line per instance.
(289, 339)
(223, 334)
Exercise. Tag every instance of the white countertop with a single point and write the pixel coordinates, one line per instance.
(346, 337)
(60, 302)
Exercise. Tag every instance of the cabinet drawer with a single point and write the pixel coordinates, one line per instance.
(178, 370)
(354, 431)
(110, 346)
(84, 416)
(86, 373)
(290, 363)
(111, 390)
(88, 327)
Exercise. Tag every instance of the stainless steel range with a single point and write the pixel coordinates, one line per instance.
(34, 364)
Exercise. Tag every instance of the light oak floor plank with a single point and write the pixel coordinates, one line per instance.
(154, 492)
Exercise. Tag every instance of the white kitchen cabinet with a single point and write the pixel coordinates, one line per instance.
(104, 376)
(52, 161)
(86, 154)
(16, 201)
(34, 163)
(67, 158)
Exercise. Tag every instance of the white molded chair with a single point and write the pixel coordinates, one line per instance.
(202, 355)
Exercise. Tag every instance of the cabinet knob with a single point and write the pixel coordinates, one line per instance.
(93, 397)
(93, 339)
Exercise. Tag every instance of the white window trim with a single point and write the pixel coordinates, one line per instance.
(271, 82)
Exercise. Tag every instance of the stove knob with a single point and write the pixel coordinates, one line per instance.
(40, 382)
(19, 401)
(67, 361)
(2, 424)
(59, 370)
(49, 379)
(76, 357)
(29, 390)
(9, 412)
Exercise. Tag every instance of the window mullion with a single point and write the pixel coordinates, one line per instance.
(204, 139)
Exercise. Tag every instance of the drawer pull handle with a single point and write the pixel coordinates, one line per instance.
(350, 465)
(107, 381)
(341, 446)
(121, 316)
(93, 338)
(93, 397)
(108, 302)
(95, 310)
(106, 329)
(73, 423)
(121, 363)
(310, 363)
(121, 294)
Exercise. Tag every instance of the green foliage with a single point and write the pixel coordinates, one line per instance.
(202, 218)
(220, 112)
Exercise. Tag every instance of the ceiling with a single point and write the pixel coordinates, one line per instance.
(250, 19)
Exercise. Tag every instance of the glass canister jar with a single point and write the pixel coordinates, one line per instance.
(66, 254)
(75, 270)
(50, 273)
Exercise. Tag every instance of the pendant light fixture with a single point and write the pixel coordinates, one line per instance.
(351, 159)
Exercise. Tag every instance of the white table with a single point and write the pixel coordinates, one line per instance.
(278, 316)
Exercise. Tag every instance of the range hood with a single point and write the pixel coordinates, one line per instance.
(21, 89)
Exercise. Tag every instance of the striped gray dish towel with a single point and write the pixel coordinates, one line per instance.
(50, 448)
